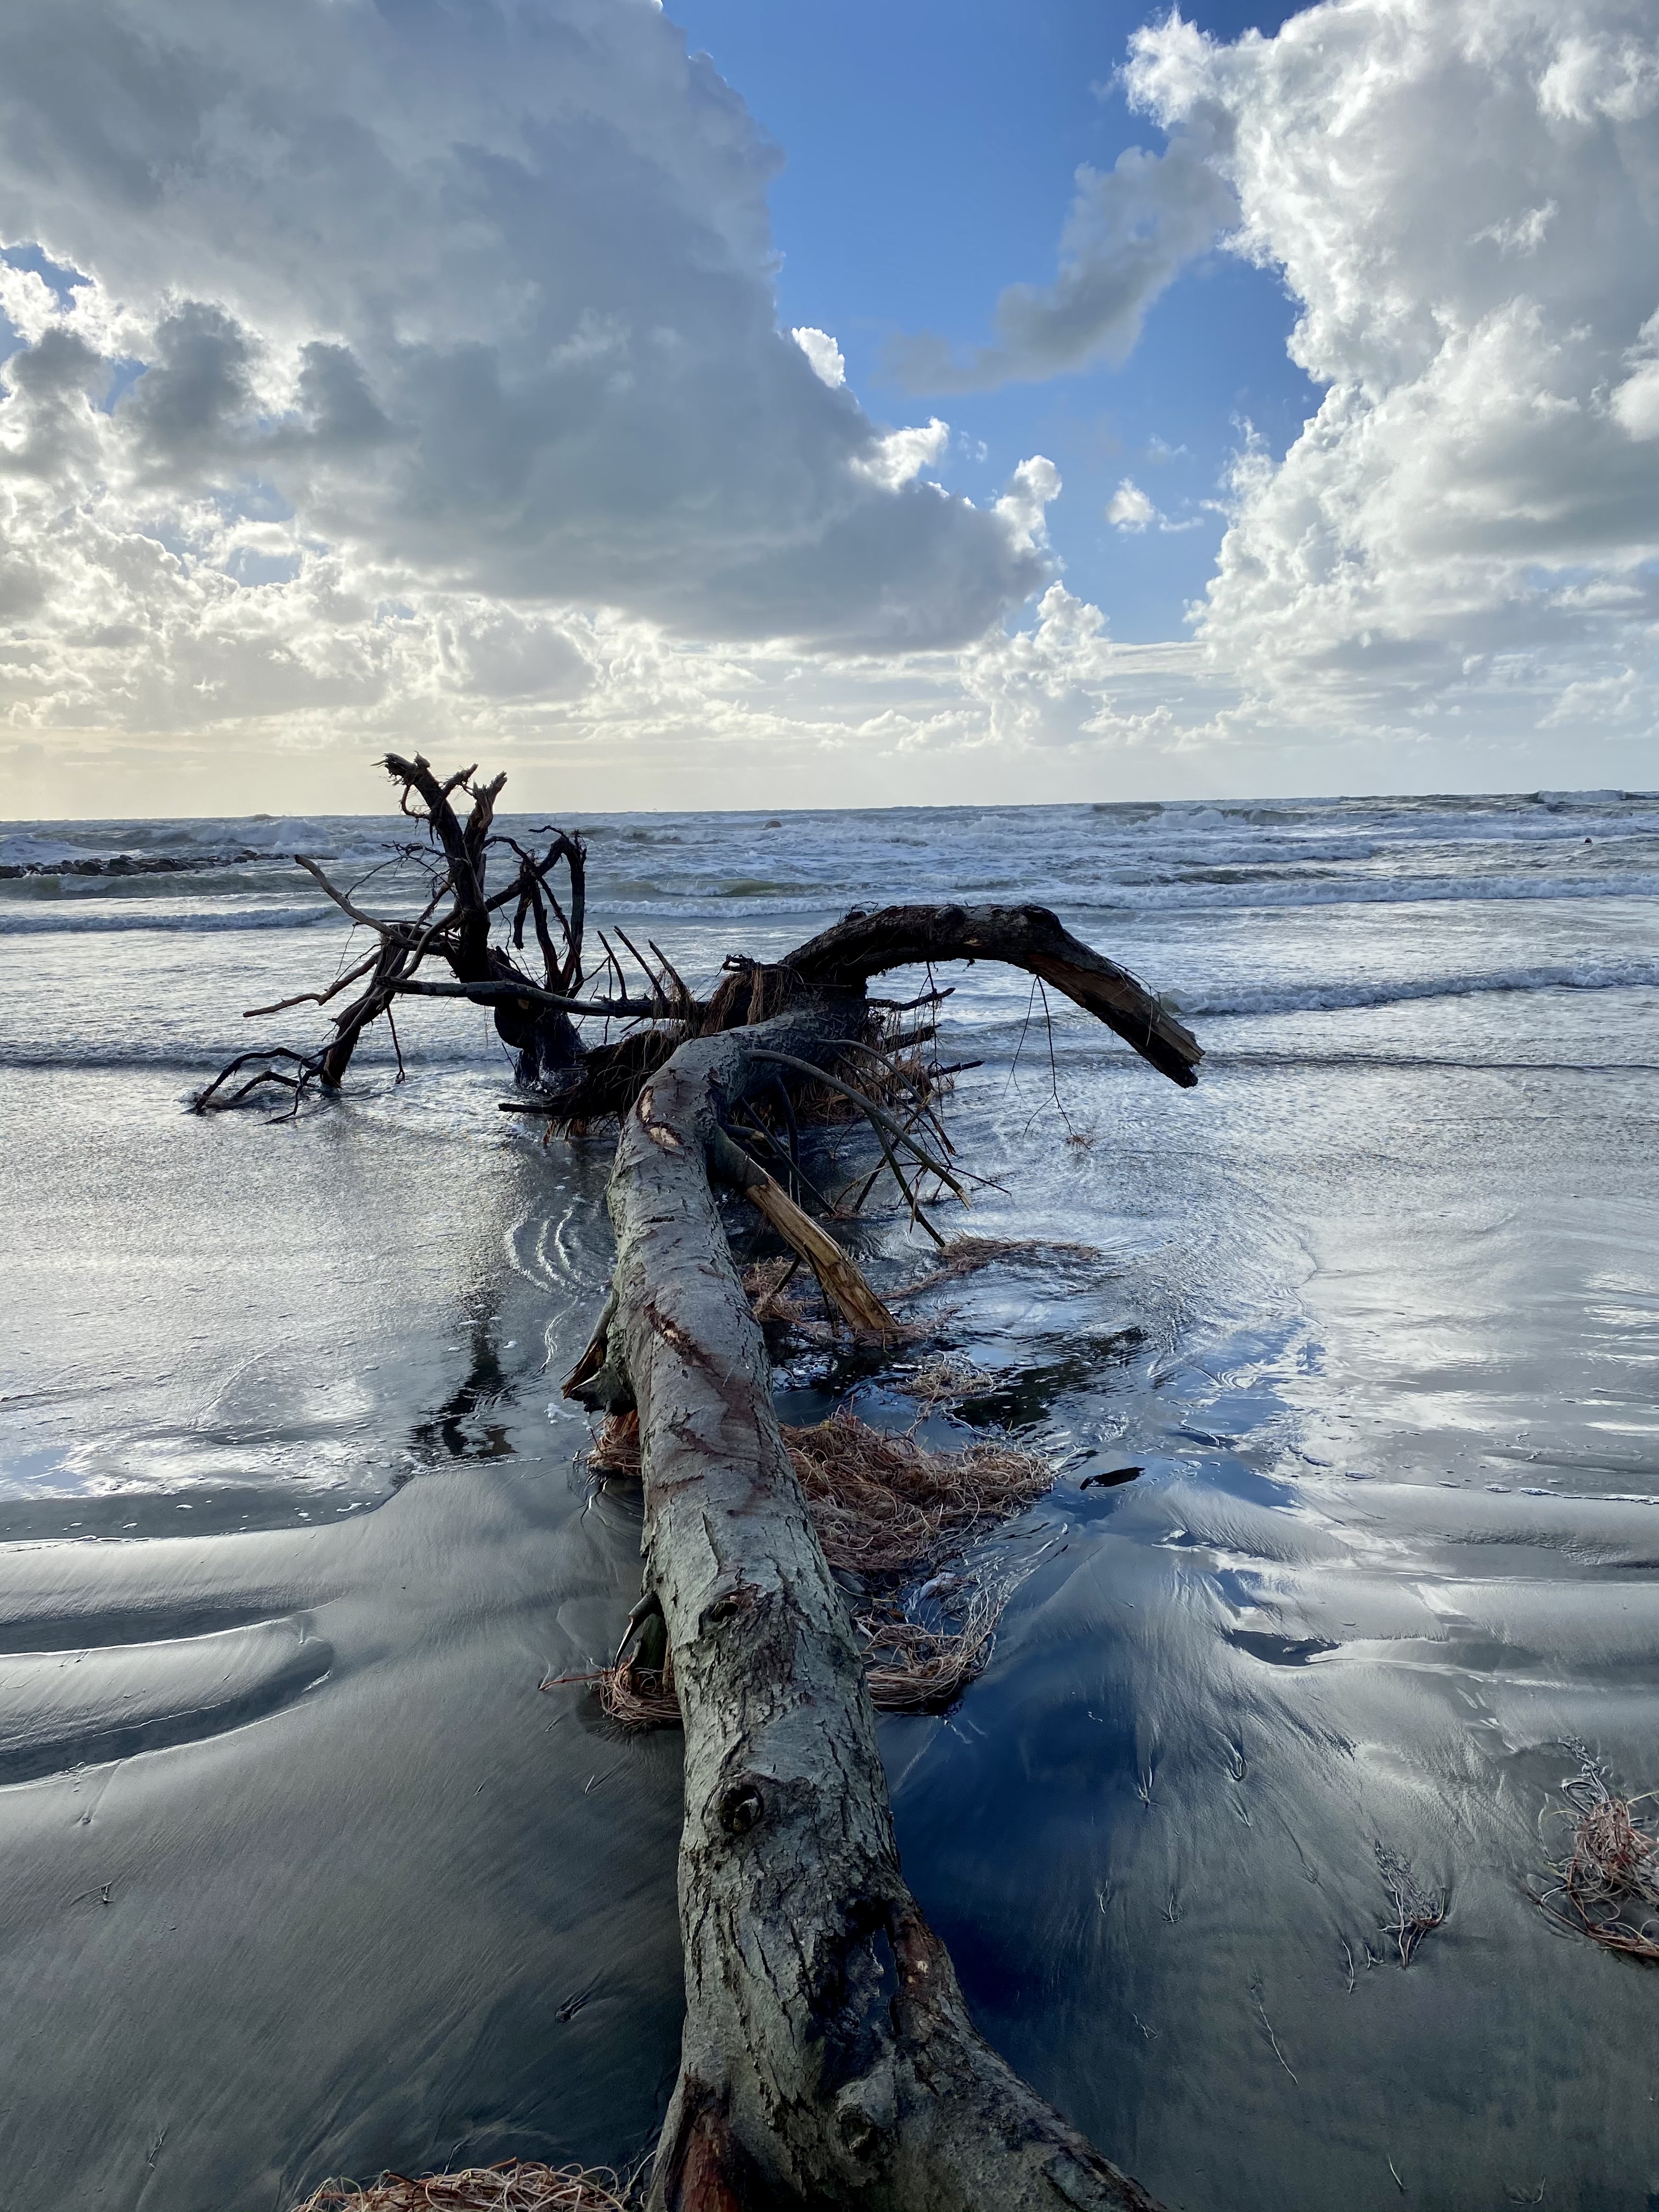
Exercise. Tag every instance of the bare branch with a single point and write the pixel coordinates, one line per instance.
(343, 900)
(486, 994)
(842, 1284)
(876, 1113)
(318, 998)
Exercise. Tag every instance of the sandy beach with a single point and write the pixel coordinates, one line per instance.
(307, 1874)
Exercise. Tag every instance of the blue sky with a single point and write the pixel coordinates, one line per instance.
(929, 147)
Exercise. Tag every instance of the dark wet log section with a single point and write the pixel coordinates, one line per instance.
(828, 2059)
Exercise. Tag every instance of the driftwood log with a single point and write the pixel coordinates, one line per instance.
(828, 2059)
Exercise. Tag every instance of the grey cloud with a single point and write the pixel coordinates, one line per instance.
(50, 382)
(484, 291)
(199, 389)
(501, 654)
(335, 402)
(1130, 231)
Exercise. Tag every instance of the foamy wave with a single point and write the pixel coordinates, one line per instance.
(1331, 998)
(1072, 899)
(58, 923)
(1399, 891)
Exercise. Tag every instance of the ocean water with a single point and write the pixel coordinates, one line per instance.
(307, 1875)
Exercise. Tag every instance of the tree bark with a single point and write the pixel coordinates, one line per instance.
(827, 2056)
(1030, 937)
(838, 964)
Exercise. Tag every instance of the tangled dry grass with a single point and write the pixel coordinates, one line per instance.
(966, 1256)
(768, 1283)
(911, 1670)
(1606, 1886)
(635, 1697)
(615, 1449)
(943, 1379)
(515, 2185)
(885, 1509)
(882, 1503)
(908, 1668)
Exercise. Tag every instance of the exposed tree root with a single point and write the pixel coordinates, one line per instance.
(515, 2185)
(454, 926)
(1606, 1886)
(573, 1084)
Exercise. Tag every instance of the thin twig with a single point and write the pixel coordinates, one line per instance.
(1261, 2014)
(318, 998)
(868, 1106)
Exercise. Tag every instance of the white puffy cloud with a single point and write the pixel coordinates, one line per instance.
(1129, 507)
(1635, 403)
(1032, 488)
(828, 364)
(481, 294)
(413, 373)
(899, 457)
(1463, 195)
(1130, 230)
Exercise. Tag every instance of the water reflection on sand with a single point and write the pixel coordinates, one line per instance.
(306, 1874)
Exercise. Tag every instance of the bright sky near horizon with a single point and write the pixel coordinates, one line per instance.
(768, 402)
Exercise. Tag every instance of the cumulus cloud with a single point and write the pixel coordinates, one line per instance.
(481, 295)
(1023, 508)
(1635, 403)
(1129, 507)
(901, 455)
(1463, 195)
(829, 364)
(1130, 230)
(415, 373)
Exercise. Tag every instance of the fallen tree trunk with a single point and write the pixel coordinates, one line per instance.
(829, 2060)
(827, 2056)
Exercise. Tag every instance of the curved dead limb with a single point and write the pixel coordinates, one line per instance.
(828, 2057)
(837, 965)
(1029, 936)
(265, 1074)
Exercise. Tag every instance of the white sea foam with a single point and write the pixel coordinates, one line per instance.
(59, 922)
(1332, 997)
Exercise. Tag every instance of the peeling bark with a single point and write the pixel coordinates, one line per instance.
(828, 2058)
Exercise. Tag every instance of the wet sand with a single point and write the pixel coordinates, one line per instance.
(306, 1874)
